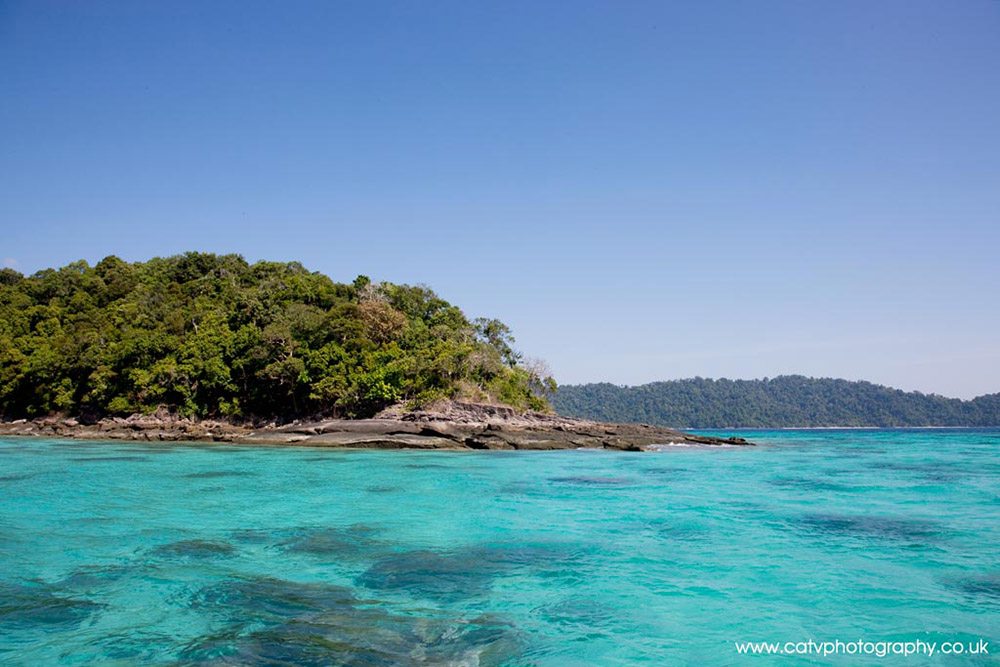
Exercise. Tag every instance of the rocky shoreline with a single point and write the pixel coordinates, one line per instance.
(455, 426)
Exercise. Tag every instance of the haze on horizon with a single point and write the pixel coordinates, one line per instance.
(642, 192)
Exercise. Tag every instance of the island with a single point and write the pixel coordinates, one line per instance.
(204, 347)
(786, 401)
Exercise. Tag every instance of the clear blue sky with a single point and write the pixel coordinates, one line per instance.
(642, 190)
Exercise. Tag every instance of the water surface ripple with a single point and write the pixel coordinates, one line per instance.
(187, 555)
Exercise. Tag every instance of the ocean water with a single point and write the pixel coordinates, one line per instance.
(114, 553)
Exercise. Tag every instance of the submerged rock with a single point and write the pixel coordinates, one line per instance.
(439, 576)
(215, 474)
(28, 606)
(592, 481)
(91, 577)
(983, 587)
(333, 542)
(463, 573)
(383, 489)
(872, 527)
(808, 484)
(195, 549)
(271, 621)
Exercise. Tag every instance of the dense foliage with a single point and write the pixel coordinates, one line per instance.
(785, 401)
(215, 336)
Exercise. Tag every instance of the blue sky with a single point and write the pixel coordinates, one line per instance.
(641, 190)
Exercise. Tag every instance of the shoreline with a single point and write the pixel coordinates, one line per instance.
(456, 426)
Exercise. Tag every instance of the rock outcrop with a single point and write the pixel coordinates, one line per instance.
(450, 425)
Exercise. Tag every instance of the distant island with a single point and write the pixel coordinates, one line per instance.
(210, 347)
(783, 402)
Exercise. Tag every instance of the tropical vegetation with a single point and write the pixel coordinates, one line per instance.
(215, 336)
(785, 401)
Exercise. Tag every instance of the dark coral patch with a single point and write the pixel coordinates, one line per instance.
(668, 471)
(94, 576)
(430, 574)
(28, 606)
(983, 587)
(807, 484)
(678, 528)
(383, 489)
(273, 621)
(463, 573)
(583, 480)
(872, 527)
(215, 474)
(195, 549)
(328, 541)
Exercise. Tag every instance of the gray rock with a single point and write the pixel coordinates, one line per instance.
(450, 425)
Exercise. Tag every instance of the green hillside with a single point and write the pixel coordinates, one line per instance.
(213, 335)
(785, 401)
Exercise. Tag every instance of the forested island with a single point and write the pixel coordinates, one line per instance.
(216, 336)
(210, 347)
(785, 401)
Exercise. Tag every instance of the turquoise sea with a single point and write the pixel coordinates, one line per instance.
(115, 553)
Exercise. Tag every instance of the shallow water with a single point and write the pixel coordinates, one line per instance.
(172, 554)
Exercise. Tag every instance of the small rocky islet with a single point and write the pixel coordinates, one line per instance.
(446, 426)
(205, 347)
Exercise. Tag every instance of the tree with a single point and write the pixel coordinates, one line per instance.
(498, 335)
